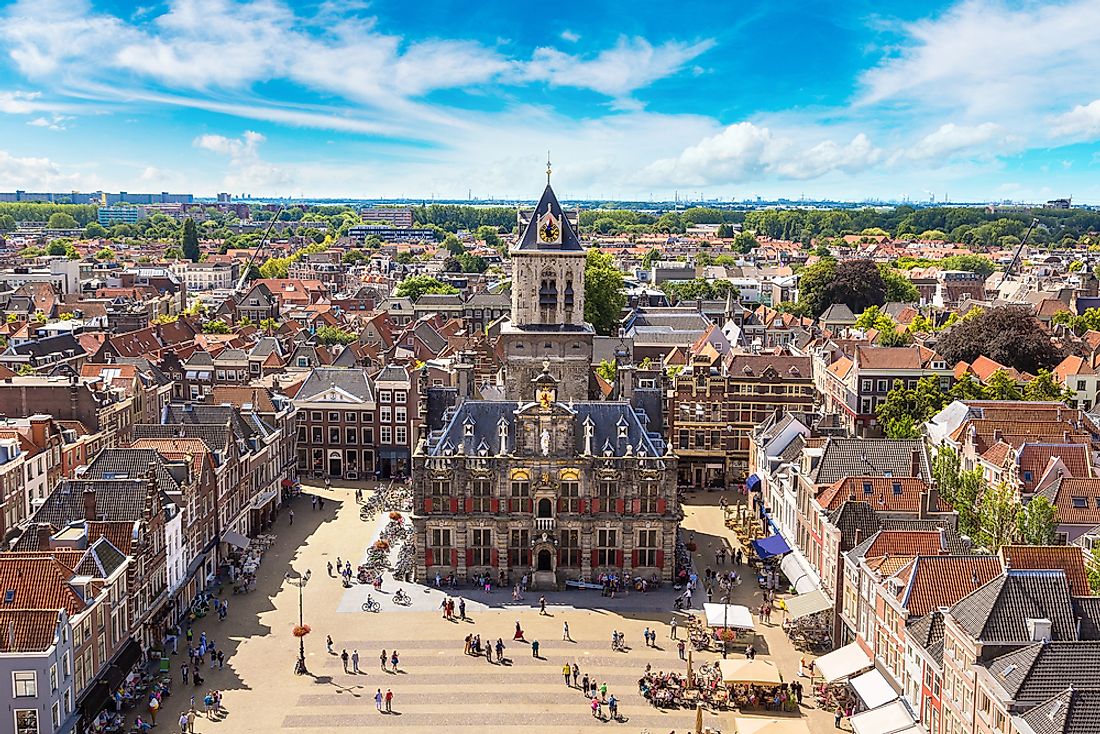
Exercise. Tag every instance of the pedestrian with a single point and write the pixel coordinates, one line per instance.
(328, 644)
(190, 637)
(680, 648)
(672, 629)
(565, 632)
(183, 723)
(313, 501)
(596, 708)
(378, 700)
(191, 719)
(519, 632)
(221, 659)
(542, 605)
(500, 650)
(603, 691)
(291, 517)
(802, 667)
(344, 658)
(355, 661)
(837, 716)
(393, 661)
(613, 707)
(462, 609)
(585, 685)
(389, 701)
(576, 672)
(646, 635)
(566, 671)
(183, 672)
(382, 658)
(469, 644)
(488, 653)
(154, 706)
(330, 568)
(534, 648)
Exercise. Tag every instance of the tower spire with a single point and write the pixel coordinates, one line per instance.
(547, 168)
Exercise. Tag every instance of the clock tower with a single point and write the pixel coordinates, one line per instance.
(547, 323)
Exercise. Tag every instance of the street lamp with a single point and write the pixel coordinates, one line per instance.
(300, 582)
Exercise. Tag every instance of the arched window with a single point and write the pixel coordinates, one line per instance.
(548, 290)
(568, 294)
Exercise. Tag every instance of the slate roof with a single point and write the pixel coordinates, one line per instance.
(101, 560)
(486, 415)
(1033, 674)
(209, 415)
(133, 463)
(927, 631)
(216, 436)
(845, 457)
(116, 499)
(1072, 711)
(351, 380)
(999, 610)
(529, 241)
(58, 344)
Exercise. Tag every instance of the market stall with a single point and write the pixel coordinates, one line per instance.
(734, 617)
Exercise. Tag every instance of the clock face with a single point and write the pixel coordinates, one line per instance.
(549, 231)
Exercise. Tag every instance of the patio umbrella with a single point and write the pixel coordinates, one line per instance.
(698, 718)
(691, 672)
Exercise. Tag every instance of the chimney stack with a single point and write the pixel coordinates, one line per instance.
(89, 504)
(915, 465)
(44, 533)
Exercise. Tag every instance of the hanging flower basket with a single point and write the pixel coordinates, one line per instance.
(382, 545)
(692, 547)
(396, 516)
(301, 630)
(727, 635)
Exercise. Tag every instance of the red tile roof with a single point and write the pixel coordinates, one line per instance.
(929, 582)
(39, 582)
(1076, 501)
(888, 494)
(1069, 558)
(27, 630)
(906, 543)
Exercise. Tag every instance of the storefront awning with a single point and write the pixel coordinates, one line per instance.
(110, 677)
(798, 571)
(809, 603)
(750, 672)
(763, 725)
(752, 483)
(728, 615)
(843, 662)
(771, 546)
(892, 718)
(234, 538)
(873, 689)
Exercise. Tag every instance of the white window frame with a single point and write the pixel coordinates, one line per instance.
(15, 683)
(15, 721)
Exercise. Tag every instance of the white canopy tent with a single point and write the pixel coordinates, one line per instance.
(873, 689)
(843, 662)
(892, 718)
(806, 604)
(729, 615)
(758, 672)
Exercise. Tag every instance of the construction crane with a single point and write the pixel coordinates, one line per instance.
(257, 251)
(1019, 250)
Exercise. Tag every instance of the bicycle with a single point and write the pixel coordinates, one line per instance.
(370, 605)
(400, 597)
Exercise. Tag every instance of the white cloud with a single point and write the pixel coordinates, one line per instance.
(746, 151)
(35, 173)
(1082, 122)
(570, 36)
(950, 138)
(985, 57)
(19, 103)
(247, 171)
(53, 122)
(633, 63)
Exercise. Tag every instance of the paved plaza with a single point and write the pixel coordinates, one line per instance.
(436, 684)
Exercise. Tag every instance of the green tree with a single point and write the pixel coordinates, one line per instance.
(974, 263)
(874, 318)
(61, 220)
(105, 254)
(217, 326)
(269, 325)
(652, 255)
(95, 231)
(998, 509)
(745, 242)
(190, 241)
(471, 263)
(899, 289)
(489, 236)
(1075, 266)
(275, 267)
(413, 288)
(1000, 386)
(58, 248)
(905, 409)
(606, 370)
(1044, 387)
(7, 223)
(725, 231)
(1092, 569)
(329, 335)
(453, 245)
(1035, 523)
(603, 292)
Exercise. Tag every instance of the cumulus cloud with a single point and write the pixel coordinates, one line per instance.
(247, 170)
(53, 122)
(745, 151)
(35, 173)
(950, 138)
(570, 36)
(19, 103)
(1082, 122)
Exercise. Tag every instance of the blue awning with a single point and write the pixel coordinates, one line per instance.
(752, 483)
(771, 546)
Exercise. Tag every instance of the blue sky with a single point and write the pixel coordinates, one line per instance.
(978, 100)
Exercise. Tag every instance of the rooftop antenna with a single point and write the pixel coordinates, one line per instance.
(548, 168)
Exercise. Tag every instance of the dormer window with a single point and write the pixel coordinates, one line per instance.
(867, 488)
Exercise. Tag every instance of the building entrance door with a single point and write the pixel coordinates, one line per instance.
(545, 561)
(335, 465)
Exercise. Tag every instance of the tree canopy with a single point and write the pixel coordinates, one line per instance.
(690, 290)
(418, 285)
(190, 241)
(1005, 334)
(857, 284)
(62, 220)
(329, 335)
(603, 292)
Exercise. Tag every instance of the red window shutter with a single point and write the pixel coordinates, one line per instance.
(662, 507)
(637, 506)
(454, 557)
(595, 506)
(454, 505)
(469, 505)
(580, 506)
(511, 505)
(633, 559)
(494, 506)
(595, 559)
(427, 504)
(428, 559)
(494, 557)
(619, 558)
(620, 506)
(469, 557)
(660, 559)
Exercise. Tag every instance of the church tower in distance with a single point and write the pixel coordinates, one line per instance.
(547, 325)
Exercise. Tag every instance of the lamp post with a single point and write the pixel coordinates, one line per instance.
(300, 582)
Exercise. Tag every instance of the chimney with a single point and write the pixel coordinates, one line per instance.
(915, 465)
(858, 538)
(922, 506)
(89, 504)
(44, 533)
(39, 424)
(998, 435)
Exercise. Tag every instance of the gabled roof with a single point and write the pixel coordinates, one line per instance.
(1068, 558)
(1076, 501)
(530, 240)
(999, 610)
(844, 457)
(886, 494)
(1072, 711)
(353, 381)
(38, 583)
(1036, 672)
(28, 630)
(930, 582)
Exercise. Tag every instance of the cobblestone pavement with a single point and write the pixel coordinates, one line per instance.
(436, 684)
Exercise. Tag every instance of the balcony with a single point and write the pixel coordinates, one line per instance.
(544, 524)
